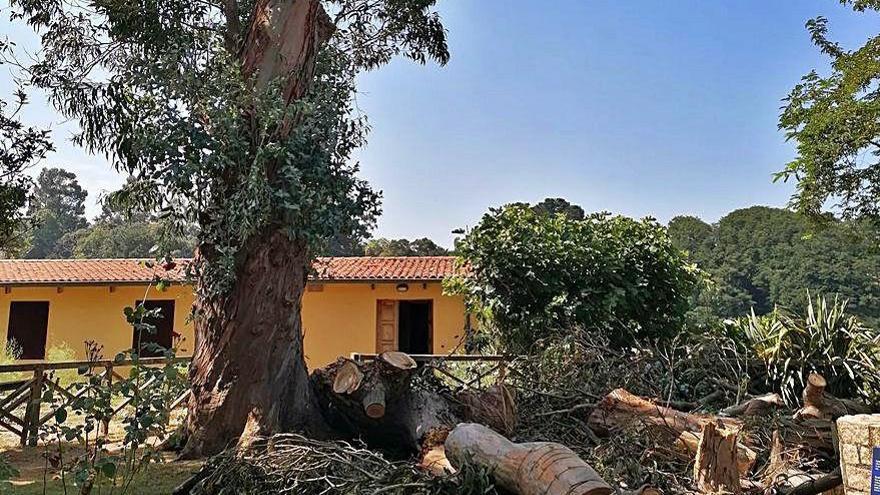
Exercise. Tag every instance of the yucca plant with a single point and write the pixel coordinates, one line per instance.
(825, 340)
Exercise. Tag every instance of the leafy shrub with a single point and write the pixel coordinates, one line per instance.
(142, 398)
(9, 354)
(825, 340)
(533, 275)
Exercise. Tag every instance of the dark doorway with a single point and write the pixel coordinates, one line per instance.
(28, 325)
(415, 330)
(163, 335)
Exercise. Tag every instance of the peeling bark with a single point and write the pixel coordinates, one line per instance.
(248, 372)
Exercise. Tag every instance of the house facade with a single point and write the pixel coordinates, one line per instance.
(358, 304)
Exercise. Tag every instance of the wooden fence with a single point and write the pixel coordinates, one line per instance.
(21, 400)
(25, 423)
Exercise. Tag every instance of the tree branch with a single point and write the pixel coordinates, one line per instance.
(233, 25)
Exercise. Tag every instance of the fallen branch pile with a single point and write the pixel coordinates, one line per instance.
(723, 448)
(473, 441)
(290, 463)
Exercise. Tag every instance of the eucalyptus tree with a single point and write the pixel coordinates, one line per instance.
(835, 120)
(237, 116)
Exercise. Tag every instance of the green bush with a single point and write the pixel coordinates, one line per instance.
(534, 275)
(826, 340)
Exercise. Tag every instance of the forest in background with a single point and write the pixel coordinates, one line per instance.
(754, 258)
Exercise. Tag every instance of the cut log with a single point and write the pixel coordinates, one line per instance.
(816, 485)
(819, 404)
(384, 410)
(621, 409)
(716, 469)
(398, 360)
(494, 407)
(374, 401)
(539, 468)
(757, 406)
(348, 378)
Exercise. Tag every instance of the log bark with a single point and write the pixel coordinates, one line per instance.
(715, 468)
(539, 468)
(688, 444)
(756, 406)
(384, 409)
(621, 409)
(248, 373)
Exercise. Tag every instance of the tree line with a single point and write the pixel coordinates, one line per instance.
(759, 258)
(54, 225)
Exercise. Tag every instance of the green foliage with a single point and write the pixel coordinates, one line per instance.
(20, 148)
(135, 239)
(7, 472)
(160, 91)
(404, 247)
(826, 340)
(834, 120)
(148, 392)
(761, 257)
(534, 276)
(56, 208)
(552, 206)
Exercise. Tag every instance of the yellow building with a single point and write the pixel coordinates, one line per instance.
(358, 304)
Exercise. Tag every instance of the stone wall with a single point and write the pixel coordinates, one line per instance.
(857, 436)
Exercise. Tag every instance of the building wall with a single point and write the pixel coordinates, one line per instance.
(341, 318)
(92, 312)
(338, 318)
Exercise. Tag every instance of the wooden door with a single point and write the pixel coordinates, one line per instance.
(28, 325)
(162, 333)
(386, 325)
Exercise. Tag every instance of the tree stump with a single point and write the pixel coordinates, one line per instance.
(716, 469)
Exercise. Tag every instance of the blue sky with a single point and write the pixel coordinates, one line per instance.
(644, 108)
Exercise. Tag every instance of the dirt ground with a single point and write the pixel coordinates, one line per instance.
(37, 476)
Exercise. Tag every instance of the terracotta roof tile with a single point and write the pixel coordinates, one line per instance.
(385, 268)
(122, 271)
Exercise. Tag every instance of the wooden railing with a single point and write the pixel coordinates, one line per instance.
(21, 400)
(28, 392)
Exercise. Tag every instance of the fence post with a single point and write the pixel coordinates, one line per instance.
(32, 413)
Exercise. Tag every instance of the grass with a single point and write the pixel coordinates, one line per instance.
(156, 479)
(159, 478)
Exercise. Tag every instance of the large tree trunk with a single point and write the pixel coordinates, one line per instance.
(248, 372)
